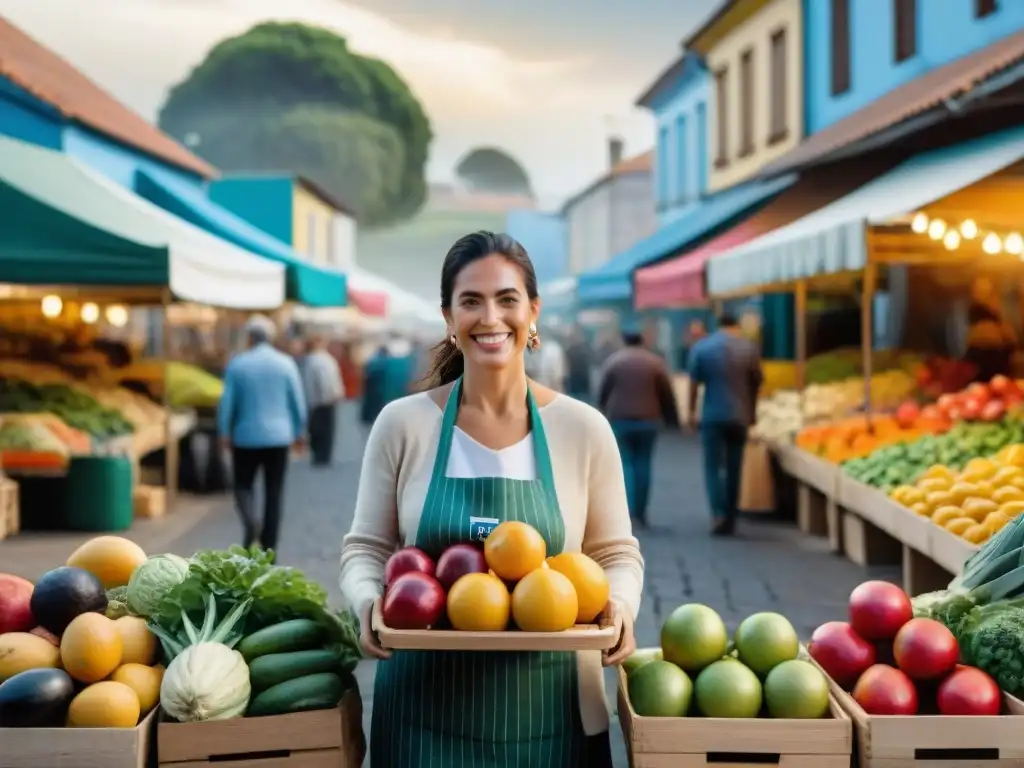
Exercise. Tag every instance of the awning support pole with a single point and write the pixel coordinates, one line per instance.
(800, 331)
(867, 331)
(171, 458)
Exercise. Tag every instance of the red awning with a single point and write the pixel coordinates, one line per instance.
(370, 303)
(679, 282)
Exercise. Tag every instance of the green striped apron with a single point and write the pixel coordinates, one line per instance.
(447, 709)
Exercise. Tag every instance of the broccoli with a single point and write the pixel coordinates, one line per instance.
(992, 639)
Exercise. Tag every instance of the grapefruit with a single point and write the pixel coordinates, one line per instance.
(765, 640)
(111, 559)
(588, 579)
(513, 549)
(640, 658)
(693, 636)
(660, 689)
(479, 602)
(728, 688)
(544, 601)
(796, 690)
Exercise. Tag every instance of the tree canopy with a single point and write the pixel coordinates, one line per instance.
(489, 169)
(293, 97)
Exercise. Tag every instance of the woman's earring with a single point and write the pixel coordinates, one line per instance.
(533, 342)
(453, 341)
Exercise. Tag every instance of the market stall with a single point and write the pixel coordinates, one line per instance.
(945, 219)
(76, 252)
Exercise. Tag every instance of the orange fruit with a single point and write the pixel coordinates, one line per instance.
(544, 601)
(513, 549)
(479, 602)
(589, 581)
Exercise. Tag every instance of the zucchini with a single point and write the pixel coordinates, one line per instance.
(274, 668)
(320, 691)
(288, 636)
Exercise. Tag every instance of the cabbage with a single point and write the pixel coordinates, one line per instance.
(154, 579)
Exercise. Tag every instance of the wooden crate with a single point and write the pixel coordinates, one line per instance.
(696, 742)
(936, 741)
(150, 501)
(78, 747)
(330, 738)
(10, 511)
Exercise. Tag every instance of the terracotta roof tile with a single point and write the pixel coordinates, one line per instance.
(52, 79)
(916, 97)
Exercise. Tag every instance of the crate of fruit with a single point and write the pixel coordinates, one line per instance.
(901, 680)
(703, 699)
(505, 595)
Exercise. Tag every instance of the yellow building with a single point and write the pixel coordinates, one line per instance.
(321, 227)
(754, 52)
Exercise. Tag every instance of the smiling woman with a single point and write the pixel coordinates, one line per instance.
(486, 445)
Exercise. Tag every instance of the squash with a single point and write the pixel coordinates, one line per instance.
(21, 651)
(105, 705)
(111, 559)
(91, 648)
(139, 645)
(207, 681)
(145, 681)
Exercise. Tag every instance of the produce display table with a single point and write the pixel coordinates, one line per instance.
(10, 510)
(816, 482)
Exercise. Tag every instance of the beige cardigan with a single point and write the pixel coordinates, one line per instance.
(589, 484)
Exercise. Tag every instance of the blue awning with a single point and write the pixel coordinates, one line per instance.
(613, 281)
(833, 239)
(305, 282)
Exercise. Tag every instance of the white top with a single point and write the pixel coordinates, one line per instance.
(589, 484)
(469, 459)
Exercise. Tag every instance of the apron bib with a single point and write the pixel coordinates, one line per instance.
(448, 709)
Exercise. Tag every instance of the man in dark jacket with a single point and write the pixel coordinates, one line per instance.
(636, 396)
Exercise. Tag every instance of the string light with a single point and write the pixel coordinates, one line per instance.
(1014, 244)
(951, 240)
(52, 306)
(919, 223)
(936, 229)
(969, 229)
(117, 315)
(992, 244)
(90, 313)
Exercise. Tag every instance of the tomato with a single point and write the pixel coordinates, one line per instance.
(994, 410)
(925, 649)
(932, 413)
(946, 402)
(883, 690)
(969, 691)
(878, 609)
(841, 652)
(971, 407)
(1000, 385)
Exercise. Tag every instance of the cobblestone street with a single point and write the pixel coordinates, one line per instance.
(769, 566)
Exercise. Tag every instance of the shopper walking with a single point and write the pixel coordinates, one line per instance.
(324, 390)
(636, 395)
(262, 413)
(486, 445)
(727, 366)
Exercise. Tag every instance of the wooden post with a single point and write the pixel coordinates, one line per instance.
(867, 329)
(800, 331)
(171, 457)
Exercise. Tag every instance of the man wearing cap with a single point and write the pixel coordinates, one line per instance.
(261, 415)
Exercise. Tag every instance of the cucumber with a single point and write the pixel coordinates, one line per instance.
(288, 636)
(320, 691)
(274, 668)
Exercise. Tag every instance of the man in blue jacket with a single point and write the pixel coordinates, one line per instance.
(262, 414)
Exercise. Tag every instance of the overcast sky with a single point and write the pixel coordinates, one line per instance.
(545, 79)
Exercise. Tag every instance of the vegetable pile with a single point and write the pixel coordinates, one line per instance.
(223, 634)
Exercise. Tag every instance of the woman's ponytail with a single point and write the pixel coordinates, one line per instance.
(447, 365)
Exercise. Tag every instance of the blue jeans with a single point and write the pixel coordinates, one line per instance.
(636, 447)
(723, 445)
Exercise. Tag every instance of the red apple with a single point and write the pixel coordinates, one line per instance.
(925, 649)
(979, 391)
(841, 652)
(971, 407)
(878, 609)
(406, 560)
(907, 414)
(883, 690)
(457, 561)
(955, 414)
(1001, 385)
(932, 413)
(993, 410)
(969, 691)
(15, 604)
(415, 600)
(47, 635)
(946, 403)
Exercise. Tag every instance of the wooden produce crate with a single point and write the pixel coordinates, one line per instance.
(936, 741)
(329, 738)
(149, 501)
(699, 742)
(10, 508)
(78, 747)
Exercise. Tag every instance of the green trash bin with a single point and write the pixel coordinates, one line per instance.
(99, 494)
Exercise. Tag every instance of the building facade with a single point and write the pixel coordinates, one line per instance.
(860, 50)
(613, 213)
(543, 237)
(678, 99)
(753, 50)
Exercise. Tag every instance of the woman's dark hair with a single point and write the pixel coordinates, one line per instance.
(447, 362)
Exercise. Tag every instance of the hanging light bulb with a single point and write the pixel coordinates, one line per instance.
(90, 313)
(1014, 244)
(969, 229)
(951, 240)
(919, 223)
(117, 315)
(52, 306)
(992, 244)
(936, 229)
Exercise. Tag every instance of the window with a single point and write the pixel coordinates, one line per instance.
(682, 188)
(840, 46)
(702, 148)
(777, 128)
(662, 167)
(311, 236)
(905, 28)
(747, 102)
(721, 117)
(983, 8)
(330, 257)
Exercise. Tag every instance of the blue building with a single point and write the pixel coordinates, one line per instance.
(859, 50)
(544, 237)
